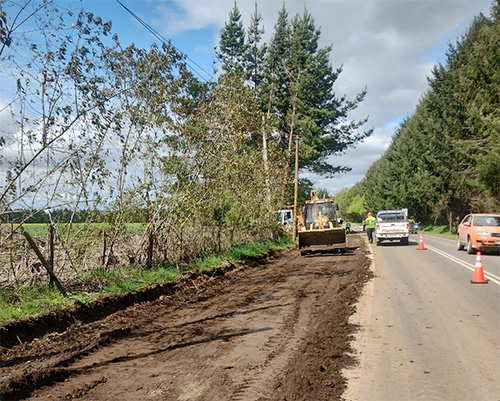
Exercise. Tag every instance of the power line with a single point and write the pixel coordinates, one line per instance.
(158, 36)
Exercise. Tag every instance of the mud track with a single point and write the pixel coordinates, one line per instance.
(272, 328)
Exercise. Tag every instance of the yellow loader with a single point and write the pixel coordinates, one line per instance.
(318, 226)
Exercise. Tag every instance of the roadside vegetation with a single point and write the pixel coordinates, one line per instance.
(120, 159)
(444, 160)
(27, 300)
(115, 155)
(441, 231)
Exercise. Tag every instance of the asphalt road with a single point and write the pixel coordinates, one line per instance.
(426, 332)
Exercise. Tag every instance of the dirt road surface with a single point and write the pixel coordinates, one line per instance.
(273, 328)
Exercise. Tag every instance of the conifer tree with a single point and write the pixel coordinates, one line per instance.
(275, 81)
(255, 52)
(296, 81)
(232, 47)
(315, 114)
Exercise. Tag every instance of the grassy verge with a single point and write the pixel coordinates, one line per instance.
(240, 252)
(441, 231)
(29, 301)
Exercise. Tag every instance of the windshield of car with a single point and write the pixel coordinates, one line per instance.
(493, 221)
(391, 216)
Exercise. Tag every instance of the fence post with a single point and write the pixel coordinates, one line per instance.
(51, 249)
(45, 264)
(149, 260)
(104, 236)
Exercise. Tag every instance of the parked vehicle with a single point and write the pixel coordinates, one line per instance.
(392, 225)
(286, 217)
(479, 232)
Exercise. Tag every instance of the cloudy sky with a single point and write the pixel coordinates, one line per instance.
(389, 46)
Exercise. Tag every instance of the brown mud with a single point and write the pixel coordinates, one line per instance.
(272, 328)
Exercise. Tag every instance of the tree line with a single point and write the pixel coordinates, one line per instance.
(97, 125)
(444, 160)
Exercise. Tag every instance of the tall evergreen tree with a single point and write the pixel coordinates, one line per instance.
(300, 79)
(232, 47)
(316, 114)
(296, 93)
(255, 52)
(275, 80)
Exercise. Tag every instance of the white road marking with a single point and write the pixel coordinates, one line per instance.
(469, 266)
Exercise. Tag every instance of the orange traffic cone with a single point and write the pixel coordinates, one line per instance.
(478, 271)
(421, 246)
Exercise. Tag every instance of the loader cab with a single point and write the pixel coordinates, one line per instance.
(320, 226)
(319, 214)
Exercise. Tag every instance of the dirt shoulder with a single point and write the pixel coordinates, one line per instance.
(265, 330)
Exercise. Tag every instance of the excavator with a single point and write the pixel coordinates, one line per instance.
(318, 226)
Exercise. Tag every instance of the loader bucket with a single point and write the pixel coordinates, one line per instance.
(334, 237)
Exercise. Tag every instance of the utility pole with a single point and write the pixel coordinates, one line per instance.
(296, 189)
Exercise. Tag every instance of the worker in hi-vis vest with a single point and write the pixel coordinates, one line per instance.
(370, 226)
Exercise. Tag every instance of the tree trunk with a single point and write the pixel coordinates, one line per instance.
(294, 113)
(296, 188)
(218, 240)
(265, 160)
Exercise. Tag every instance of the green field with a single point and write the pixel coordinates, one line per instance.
(41, 229)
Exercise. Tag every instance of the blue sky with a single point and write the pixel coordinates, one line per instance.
(389, 46)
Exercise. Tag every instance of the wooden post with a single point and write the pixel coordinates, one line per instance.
(149, 260)
(296, 187)
(104, 236)
(45, 264)
(51, 249)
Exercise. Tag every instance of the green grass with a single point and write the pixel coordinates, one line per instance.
(442, 231)
(127, 278)
(135, 228)
(208, 262)
(28, 301)
(239, 252)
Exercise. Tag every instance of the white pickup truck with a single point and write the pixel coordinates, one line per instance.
(392, 225)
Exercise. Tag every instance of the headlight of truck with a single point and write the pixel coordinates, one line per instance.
(482, 233)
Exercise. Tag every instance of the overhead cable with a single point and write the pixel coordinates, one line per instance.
(157, 35)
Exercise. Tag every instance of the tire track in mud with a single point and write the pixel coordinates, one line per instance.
(275, 347)
(42, 362)
(242, 334)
